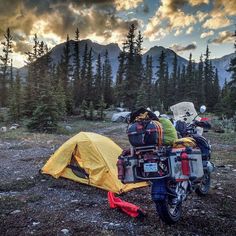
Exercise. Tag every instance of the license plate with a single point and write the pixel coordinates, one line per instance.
(150, 167)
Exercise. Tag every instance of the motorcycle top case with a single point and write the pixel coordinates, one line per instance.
(143, 133)
(194, 162)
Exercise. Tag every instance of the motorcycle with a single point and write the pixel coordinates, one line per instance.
(174, 173)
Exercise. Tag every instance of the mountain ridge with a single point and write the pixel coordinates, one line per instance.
(114, 50)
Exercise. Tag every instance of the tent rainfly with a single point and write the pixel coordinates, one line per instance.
(91, 159)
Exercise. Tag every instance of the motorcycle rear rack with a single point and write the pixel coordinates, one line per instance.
(144, 148)
(151, 178)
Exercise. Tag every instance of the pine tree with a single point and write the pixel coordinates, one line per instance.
(91, 110)
(15, 102)
(76, 75)
(30, 97)
(210, 97)
(108, 93)
(131, 84)
(189, 80)
(84, 108)
(119, 90)
(162, 80)
(101, 108)
(207, 78)
(45, 116)
(5, 58)
(83, 73)
(89, 78)
(173, 82)
(216, 90)
(65, 74)
(148, 80)
(98, 81)
(60, 98)
(232, 83)
(200, 83)
(181, 85)
(166, 101)
(139, 72)
(150, 84)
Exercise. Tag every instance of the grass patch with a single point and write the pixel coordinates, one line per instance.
(224, 157)
(77, 126)
(224, 138)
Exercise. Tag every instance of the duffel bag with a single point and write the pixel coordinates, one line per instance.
(145, 133)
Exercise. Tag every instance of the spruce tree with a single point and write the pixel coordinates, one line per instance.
(162, 80)
(5, 59)
(76, 75)
(119, 87)
(150, 91)
(216, 89)
(232, 83)
(207, 78)
(45, 116)
(30, 97)
(148, 82)
(101, 108)
(65, 74)
(15, 102)
(98, 81)
(189, 80)
(83, 73)
(84, 108)
(181, 85)
(173, 82)
(60, 97)
(139, 72)
(91, 110)
(89, 78)
(108, 91)
(200, 82)
(131, 84)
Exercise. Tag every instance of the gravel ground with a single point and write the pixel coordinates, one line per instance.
(35, 204)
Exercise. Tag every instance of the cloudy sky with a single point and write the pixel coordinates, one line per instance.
(183, 25)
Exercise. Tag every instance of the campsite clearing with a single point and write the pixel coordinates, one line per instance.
(31, 203)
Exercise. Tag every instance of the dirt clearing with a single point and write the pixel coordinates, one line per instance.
(35, 204)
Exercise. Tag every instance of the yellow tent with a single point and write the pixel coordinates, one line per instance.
(89, 158)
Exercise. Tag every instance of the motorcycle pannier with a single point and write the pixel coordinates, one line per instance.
(186, 163)
(144, 133)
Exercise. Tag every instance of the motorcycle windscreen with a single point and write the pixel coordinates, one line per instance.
(179, 113)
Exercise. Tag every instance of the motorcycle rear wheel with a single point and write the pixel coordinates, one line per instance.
(204, 187)
(168, 212)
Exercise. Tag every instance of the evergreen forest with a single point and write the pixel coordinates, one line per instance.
(81, 84)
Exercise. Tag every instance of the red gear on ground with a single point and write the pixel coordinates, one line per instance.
(129, 208)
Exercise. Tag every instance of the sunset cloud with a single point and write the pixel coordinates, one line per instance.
(198, 2)
(219, 16)
(223, 37)
(180, 48)
(126, 5)
(53, 20)
(206, 34)
(170, 12)
(189, 30)
(201, 16)
(217, 22)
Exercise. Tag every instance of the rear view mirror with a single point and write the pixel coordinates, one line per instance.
(202, 109)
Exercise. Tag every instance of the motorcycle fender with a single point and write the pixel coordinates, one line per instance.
(159, 190)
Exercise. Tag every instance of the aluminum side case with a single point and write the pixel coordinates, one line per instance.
(195, 164)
